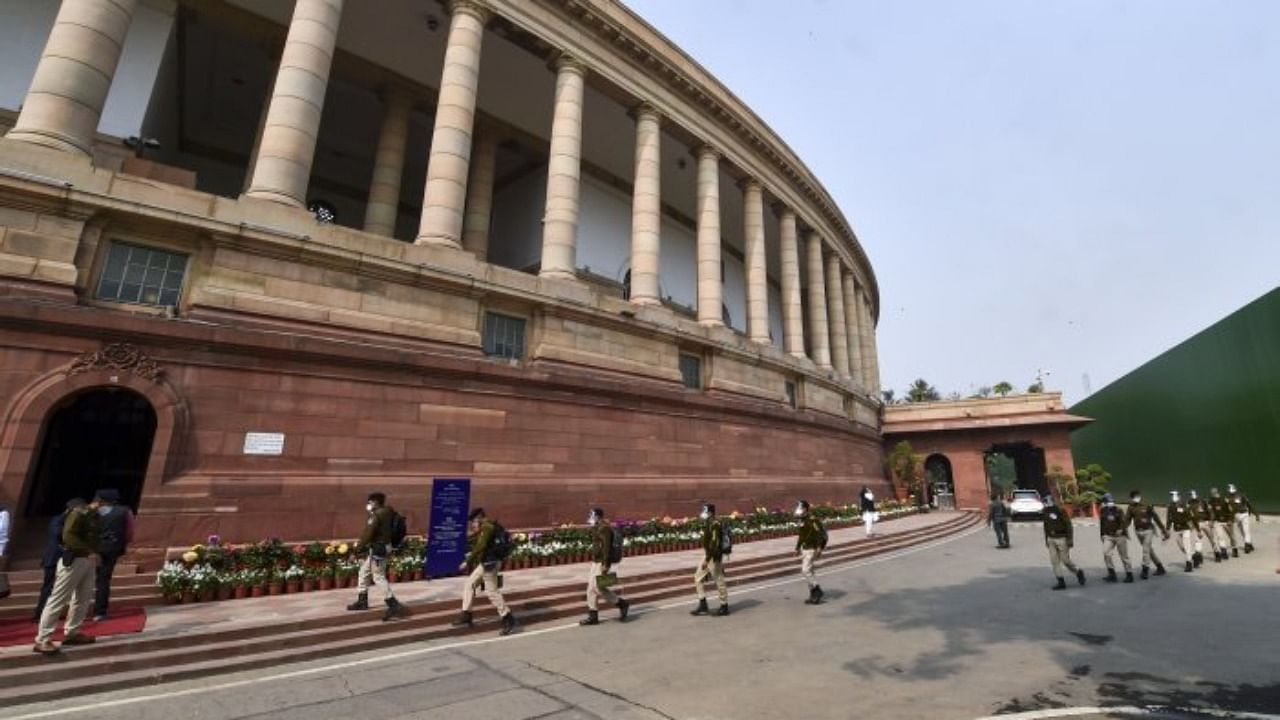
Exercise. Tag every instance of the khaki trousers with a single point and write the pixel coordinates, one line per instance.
(1207, 532)
(489, 576)
(1184, 543)
(1242, 529)
(1224, 535)
(714, 568)
(72, 587)
(374, 571)
(1149, 556)
(807, 556)
(1113, 544)
(1060, 556)
(594, 592)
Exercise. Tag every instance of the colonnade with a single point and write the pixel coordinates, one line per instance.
(75, 71)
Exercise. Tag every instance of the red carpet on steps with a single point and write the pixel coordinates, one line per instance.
(23, 632)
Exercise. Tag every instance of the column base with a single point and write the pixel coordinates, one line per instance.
(649, 301)
(438, 241)
(711, 323)
(762, 340)
(53, 141)
(557, 274)
(275, 197)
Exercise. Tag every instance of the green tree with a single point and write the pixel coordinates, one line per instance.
(1002, 473)
(1002, 388)
(1064, 485)
(983, 392)
(922, 391)
(904, 466)
(888, 397)
(1035, 388)
(1091, 483)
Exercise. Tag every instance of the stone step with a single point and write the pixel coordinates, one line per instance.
(122, 662)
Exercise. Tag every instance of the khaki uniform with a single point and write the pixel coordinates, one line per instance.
(1241, 509)
(1145, 521)
(810, 543)
(73, 584)
(1204, 525)
(601, 542)
(1223, 522)
(1115, 537)
(376, 538)
(712, 564)
(483, 572)
(1181, 521)
(1059, 537)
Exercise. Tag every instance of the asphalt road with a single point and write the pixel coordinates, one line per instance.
(959, 630)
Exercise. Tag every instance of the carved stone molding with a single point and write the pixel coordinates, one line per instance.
(117, 356)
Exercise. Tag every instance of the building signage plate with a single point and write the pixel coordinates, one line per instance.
(447, 531)
(263, 443)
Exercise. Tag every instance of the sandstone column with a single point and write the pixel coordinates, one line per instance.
(873, 358)
(444, 198)
(283, 167)
(818, 336)
(835, 306)
(757, 277)
(646, 208)
(564, 173)
(792, 313)
(64, 103)
(868, 347)
(853, 322)
(710, 292)
(475, 224)
(383, 206)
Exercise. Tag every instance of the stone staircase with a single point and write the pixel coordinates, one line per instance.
(129, 589)
(128, 661)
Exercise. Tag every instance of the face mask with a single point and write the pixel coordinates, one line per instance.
(704, 515)
(799, 512)
(1138, 499)
(870, 496)
(368, 506)
(1231, 488)
(592, 520)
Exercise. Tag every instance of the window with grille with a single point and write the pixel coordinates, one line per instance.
(503, 336)
(691, 371)
(791, 393)
(142, 275)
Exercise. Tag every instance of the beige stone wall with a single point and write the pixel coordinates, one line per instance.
(38, 245)
(736, 375)
(573, 340)
(821, 397)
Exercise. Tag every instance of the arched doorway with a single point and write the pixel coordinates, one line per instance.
(98, 438)
(942, 485)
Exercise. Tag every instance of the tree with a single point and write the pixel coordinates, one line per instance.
(1091, 483)
(1035, 388)
(983, 392)
(922, 391)
(953, 396)
(1064, 486)
(887, 395)
(1002, 388)
(904, 466)
(1001, 472)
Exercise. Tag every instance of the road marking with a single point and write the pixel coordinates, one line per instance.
(1128, 710)
(103, 704)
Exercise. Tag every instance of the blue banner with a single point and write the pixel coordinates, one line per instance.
(447, 528)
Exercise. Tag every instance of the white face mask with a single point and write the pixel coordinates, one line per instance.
(1231, 488)
(1138, 499)
(592, 519)
(799, 512)
(870, 496)
(704, 515)
(368, 506)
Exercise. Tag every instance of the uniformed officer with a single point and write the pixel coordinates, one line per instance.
(810, 543)
(483, 565)
(1145, 521)
(1223, 519)
(712, 562)
(1242, 509)
(1204, 522)
(1059, 537)
(998, 518)
(601, 549)
(375, 542)
(1115, 538)
(1179, 518)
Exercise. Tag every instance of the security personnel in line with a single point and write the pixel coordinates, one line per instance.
(1242, 509)
(1204, 522)
(1115, 538)
(483, 565)
(1145, 521)
(1059, 537)
(712, 562)
(1179, 519)
(810, 543)
(375, 541)
(601, 549)
(1223, 519)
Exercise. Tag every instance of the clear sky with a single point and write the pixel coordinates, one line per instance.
(1074, 186)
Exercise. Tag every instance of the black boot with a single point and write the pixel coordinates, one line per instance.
(1159, 569)
(1248, 547)
(1235, 552)
(817, 595)
(361, 603)
(1128, 576)
(1197, 559)
(593, 618)
(1146, 572)
(1111, 575)
(813, 596)
(702, 608)
(1217, 556)
(723, 611)
(624, 607)
(1080, 576)
(394, 610)
(1062, 585)
(464, 620)
(1188, 567)
(508, 624)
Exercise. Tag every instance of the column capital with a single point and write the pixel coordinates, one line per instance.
(562, 61)
(707, 151)
(394, 92)
(474, 8)
(783, 210)
(645, 109)
(749, 183)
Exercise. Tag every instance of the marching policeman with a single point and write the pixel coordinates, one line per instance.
(483, 563)
(600, 581)
(712, 562)
(1223, 519)
(1204, 522)
(1059, 538)
(376, 541)
(1242, 509)
(1179, 518)
(810, 543)
(1115, 538)
(1145, 521)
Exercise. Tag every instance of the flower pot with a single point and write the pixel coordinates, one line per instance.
(207, 594)
(417, 575)
(224, 592)
(393, 575)
(326, 583)
(240, 592)
(172, 599)
(257, 591)
(308, 584)
(188, 596)
(292, 586)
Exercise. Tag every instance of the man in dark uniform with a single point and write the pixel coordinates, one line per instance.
(115, 532)
(1180, 520)
(1145, 521)
(1059, 537)
(998, 518)
(375, 542)
(712, 562)
(599, 575)
(810, 543)
(1204, 522)
(482, 566)
(1241, 508)
(1223, 519)
(1115, 538)
(52, 555)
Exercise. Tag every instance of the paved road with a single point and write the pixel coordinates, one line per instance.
(960, 630)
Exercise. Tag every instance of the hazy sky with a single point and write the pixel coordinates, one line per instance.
(1075, 186)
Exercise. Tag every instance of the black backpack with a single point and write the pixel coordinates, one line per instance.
(615, 547)
(399, 529)
(726, 540)
(500, 546)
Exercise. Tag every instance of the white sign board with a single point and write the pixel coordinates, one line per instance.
(262, 443)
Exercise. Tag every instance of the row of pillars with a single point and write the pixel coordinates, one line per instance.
(69, 90)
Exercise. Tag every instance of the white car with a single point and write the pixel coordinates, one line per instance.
(1026, 504)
